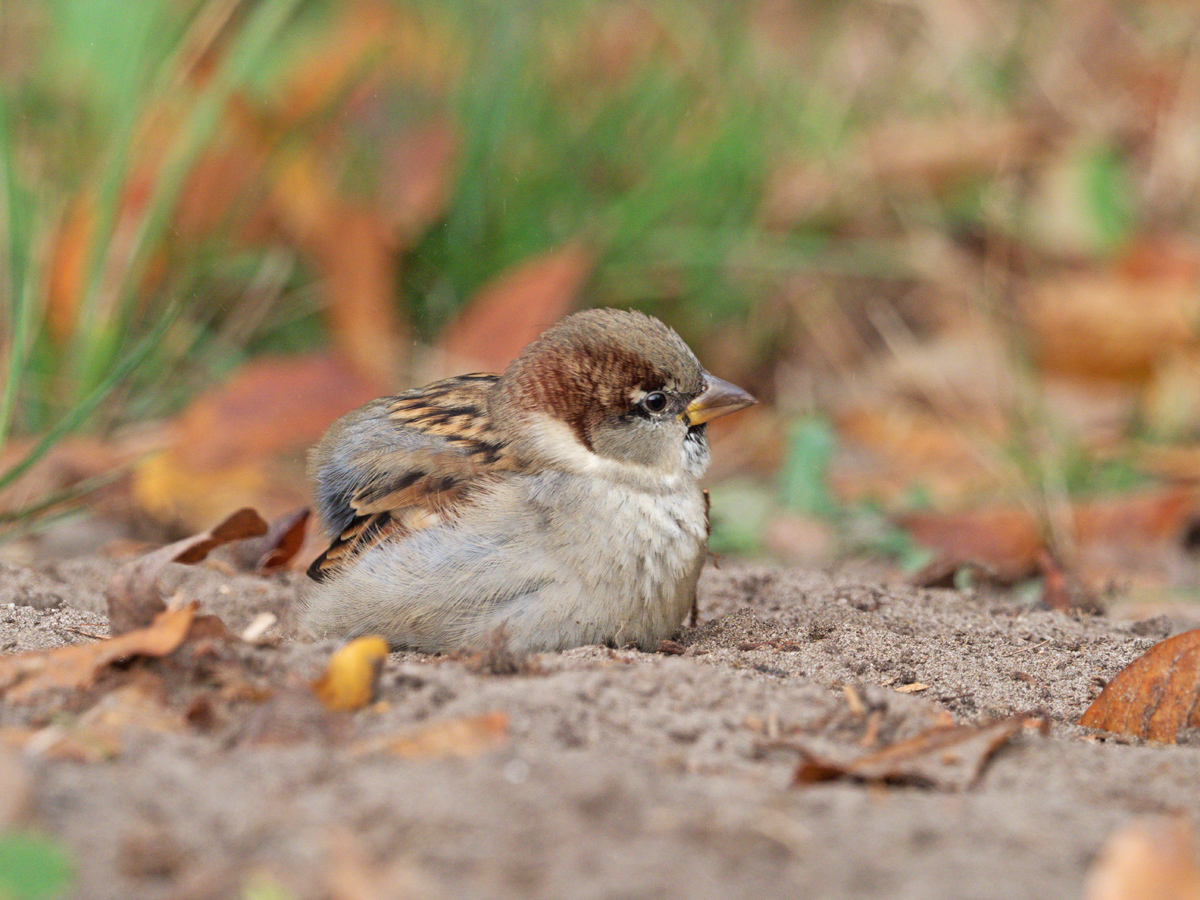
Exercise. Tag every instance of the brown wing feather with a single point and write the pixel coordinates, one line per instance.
(411, 489)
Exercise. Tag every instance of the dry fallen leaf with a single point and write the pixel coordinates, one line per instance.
(283, 541)
(350, 677)
(1063, 589)
(68, 465)
(136, 705)
(1152, 859)
(950, 758)
(1156, 696)
(356, 35)
(71, 668)
(133, 595)
(1112, 324)
(807, 541)
(1006, 544)
(417, 179)
(895, 443)
(938, 153)
(237, 526)
(1134, 532)
(927, 154)
(351, 245)
(456, 738)
(69, 247)
(1002, 541)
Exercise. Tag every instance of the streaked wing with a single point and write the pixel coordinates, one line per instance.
(403, 464)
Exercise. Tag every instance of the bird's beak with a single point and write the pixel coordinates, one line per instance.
(719, 399)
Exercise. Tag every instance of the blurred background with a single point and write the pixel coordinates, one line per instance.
(952, 246)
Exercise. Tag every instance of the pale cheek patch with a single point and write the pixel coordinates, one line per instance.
(555, 441)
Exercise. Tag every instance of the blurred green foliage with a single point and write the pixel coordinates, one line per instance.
(660, 168)
(735, 168)
(649, 132)
(32, 867)
(805, 483)
(659, 165)
(67, 131)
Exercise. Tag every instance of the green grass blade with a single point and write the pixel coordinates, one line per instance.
(136, 38)
(54, 506)
(252, 42)
(19, 227)
(79, 413)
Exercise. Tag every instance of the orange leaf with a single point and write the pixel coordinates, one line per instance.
(1007, 542)
(16, 788)
(1112, 324)
(353, 247)
(70, 462)
(228, 447)
(1156, 696)
(233, 168)
(1148, 860)
(517, 306)
(1157, 516)
(417, 180)
(358, 260)
(899, 444)
(133, 708)
(236, 526)
(167, 486)
(1004, 540)
(270, 406)
(352, 41)
(72, 668)
(456, 738)
(69, 249)
(922, 155)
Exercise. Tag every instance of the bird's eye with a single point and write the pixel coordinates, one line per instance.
(654, 402)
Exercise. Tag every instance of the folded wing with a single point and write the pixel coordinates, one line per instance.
(402, 464)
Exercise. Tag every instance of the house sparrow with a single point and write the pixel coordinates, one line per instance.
(558, 501)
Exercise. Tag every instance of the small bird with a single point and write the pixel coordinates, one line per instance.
(558, 501)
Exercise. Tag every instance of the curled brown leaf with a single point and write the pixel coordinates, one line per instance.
(1155, 697)
(951, 758)
(27, 675)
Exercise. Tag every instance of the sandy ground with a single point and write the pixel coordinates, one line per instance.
(608, 773)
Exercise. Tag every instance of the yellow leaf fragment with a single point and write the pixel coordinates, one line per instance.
(351, 675)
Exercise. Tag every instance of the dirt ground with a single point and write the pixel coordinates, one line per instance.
(596, 772)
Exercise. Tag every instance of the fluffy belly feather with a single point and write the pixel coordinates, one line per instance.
(535, 567)
(641, 583)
